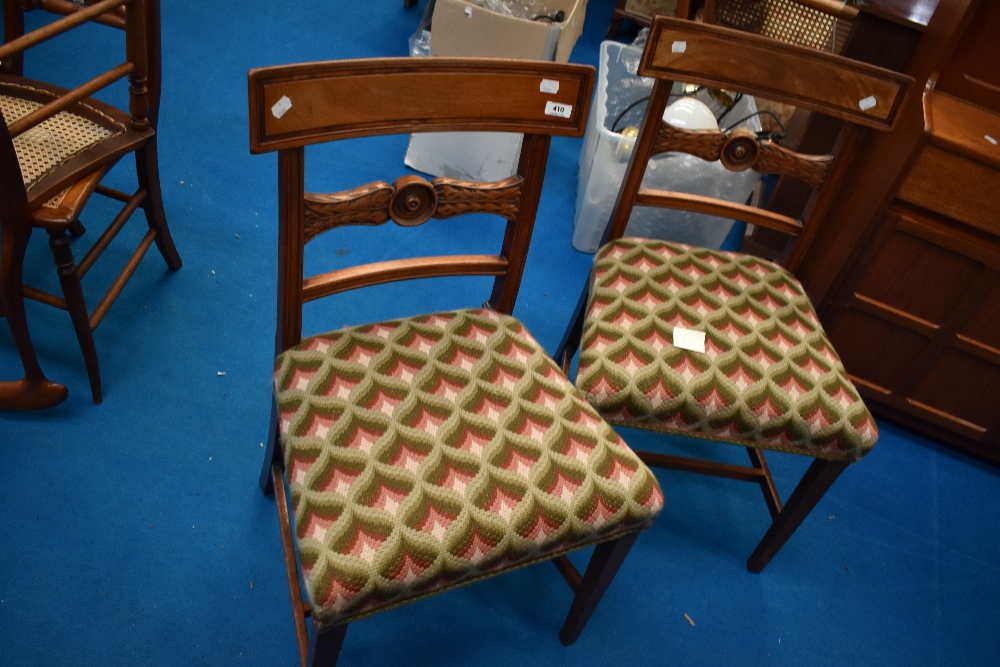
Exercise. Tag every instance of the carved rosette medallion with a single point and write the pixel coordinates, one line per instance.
(413, 201)
(740, 152)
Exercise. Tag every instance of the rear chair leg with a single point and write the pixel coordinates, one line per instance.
(148, 169)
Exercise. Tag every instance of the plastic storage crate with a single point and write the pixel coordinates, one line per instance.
(605, 156)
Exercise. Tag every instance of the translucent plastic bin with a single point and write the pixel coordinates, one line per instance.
(605, 156)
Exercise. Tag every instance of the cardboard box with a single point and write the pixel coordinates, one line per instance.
(461, 28)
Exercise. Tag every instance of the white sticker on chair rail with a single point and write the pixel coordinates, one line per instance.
(679, 46)
(558, 109)
(281, 107)
(868, 103)
(549, 86)
(689, 339)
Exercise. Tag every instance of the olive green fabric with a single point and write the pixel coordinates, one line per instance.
(428, 452)
(768, 375)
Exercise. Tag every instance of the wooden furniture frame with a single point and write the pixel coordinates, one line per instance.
(54, 197)
(680, 50)
(292, 107)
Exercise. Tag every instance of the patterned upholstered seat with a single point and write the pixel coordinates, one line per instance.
(427, 452)
(768, 376)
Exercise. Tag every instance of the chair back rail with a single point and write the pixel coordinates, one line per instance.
(298, 105)
(861, 95)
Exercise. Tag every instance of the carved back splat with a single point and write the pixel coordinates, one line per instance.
(409, 202)
(298, 105)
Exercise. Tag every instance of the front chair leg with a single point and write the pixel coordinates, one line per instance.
(324, 647)
(601, 569)
(818, 478)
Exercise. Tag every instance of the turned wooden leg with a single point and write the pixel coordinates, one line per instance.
(818, 478)
(603, 566)
(76, 304)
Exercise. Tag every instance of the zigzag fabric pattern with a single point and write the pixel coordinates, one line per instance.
(429, 452)
(768, 376)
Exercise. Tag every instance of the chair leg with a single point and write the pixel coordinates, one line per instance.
(76, 304)
(148, 169)
(818, 478)
(324, 647)
(603, 566)
(34, 391)
(571, 338)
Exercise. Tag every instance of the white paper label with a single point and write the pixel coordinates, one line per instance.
(281, 106)
(868, 103)
(468, 12)
(679, 47)
(689, 339)
(549, 86)
(558, 109)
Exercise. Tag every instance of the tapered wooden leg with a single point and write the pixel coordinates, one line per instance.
(603, 566)
(76, 304)
(571, 338)
(324, 647)
(148, 169)
(818, 478)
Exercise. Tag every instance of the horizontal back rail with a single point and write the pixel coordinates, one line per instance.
(741, 62)
(717, 207)
(379, 273)
(297, 105)
(59, 26)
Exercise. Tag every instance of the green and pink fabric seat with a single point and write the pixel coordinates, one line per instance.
(428, 452)
(768, 375)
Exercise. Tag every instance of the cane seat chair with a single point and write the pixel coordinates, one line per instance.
(428, 452)
(718, 345)
(65, 141)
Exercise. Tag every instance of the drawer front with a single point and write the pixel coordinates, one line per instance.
(956, 187)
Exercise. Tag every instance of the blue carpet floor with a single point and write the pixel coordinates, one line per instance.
(134, 533)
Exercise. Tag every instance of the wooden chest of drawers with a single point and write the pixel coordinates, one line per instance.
(918, 320)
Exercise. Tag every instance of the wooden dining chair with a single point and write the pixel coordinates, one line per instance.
(64, 142)
(428, 452)
(725, 346)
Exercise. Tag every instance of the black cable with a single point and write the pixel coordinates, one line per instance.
(736, 100)
(639, 101)
(774, 136)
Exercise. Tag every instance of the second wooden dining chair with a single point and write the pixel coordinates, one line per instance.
(725, 346)
(428, 452)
